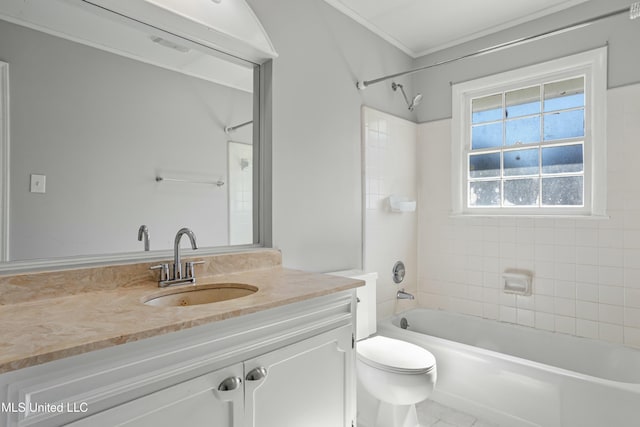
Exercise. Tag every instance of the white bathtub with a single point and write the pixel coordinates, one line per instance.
(519, 376)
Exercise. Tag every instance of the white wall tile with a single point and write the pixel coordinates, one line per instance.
(545, 304)
(545, 321)
(565, 307)
(491, 311)
(508, 314)
(587, 255)
(587, 237)
(612, 276)
(632, 258)
(525, 317)
(545, 269)
(613, 295)
(611, 238)
(587, 328)
(632, 317)
(611, 314)
(632, 298)
(613, 257)
(587, 310)
(632, 337)
(586, 272)
(564, 236)
(611, 333)
(542, 286)
(565, 325)
(587, 292)
(527, 302)
(565, 289)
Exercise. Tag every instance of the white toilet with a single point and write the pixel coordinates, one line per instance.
(393, 375)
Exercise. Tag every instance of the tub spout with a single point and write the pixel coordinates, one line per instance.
(404, 295)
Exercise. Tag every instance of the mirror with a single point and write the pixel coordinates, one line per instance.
(104, 140)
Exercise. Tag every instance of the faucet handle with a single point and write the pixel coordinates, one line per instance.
(190, 270)
(164, 271)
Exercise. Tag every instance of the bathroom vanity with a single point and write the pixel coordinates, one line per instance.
(283, 355)
(106, 345)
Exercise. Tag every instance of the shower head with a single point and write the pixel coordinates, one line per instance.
(634, 10)
(415, 101)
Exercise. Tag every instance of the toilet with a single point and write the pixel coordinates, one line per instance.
(393, 375)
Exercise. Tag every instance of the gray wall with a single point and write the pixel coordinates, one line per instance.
(316, 127)
(621, 34)
(100, 127)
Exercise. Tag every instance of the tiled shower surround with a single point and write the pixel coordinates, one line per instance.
(586, 271)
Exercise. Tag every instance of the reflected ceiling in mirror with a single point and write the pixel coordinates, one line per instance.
(147, 129)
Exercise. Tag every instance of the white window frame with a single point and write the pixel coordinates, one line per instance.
(593, 66)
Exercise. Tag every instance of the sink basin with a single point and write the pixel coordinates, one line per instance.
(205, 294)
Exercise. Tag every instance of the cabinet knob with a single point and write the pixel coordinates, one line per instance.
(230, 383)
(257, 374)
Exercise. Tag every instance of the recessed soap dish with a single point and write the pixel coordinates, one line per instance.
(401, 204)
(518, 283)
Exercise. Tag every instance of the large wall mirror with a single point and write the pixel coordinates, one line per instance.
(104, 140)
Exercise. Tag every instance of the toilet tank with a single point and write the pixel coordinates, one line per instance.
(366, 320)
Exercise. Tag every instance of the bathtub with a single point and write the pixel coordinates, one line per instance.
(518, 376)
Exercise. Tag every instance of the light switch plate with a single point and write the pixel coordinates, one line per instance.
(38, 183)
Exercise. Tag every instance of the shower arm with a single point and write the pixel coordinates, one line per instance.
(395, 86)
(633, 11)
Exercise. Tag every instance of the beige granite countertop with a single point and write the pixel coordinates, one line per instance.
(49, 316)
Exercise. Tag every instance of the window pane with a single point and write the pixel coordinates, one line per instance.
(521, 192)
(522, 102)
(523, 130)
(564, 95)
(486, 136)
(567, 124)
(486, 109)
(566, 158)
(484, 165)
(484, 193)
(521, 162)
(563, 191)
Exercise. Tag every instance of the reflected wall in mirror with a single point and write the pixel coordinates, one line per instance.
(101, 127)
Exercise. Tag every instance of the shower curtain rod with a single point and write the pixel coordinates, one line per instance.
(230, 129)
(632, 11)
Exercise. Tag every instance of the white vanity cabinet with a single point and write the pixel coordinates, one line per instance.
(307, 384)
(196, 402)
(288, 366)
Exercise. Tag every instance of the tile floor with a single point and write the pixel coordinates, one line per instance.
(433, 414)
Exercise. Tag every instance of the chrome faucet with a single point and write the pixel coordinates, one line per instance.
(143, 233)
(404, 295)
(176, 277)
(177, 263)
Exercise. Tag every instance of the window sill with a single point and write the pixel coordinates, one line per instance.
(530, 216)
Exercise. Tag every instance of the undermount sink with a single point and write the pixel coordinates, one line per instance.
(205, 294)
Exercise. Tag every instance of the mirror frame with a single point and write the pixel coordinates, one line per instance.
(262, 185)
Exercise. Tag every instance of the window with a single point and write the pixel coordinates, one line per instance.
(531, 141)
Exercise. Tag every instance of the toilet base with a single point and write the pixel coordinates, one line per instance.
(396, 415)
(375, 413)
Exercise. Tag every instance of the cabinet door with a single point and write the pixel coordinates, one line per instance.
(309, 383)
(202, 401)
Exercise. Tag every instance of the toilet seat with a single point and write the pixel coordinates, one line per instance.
(395, 356)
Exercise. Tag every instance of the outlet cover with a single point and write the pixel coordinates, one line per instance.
(38, 183)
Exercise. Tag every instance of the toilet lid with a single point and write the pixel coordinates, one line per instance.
(395, 355)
